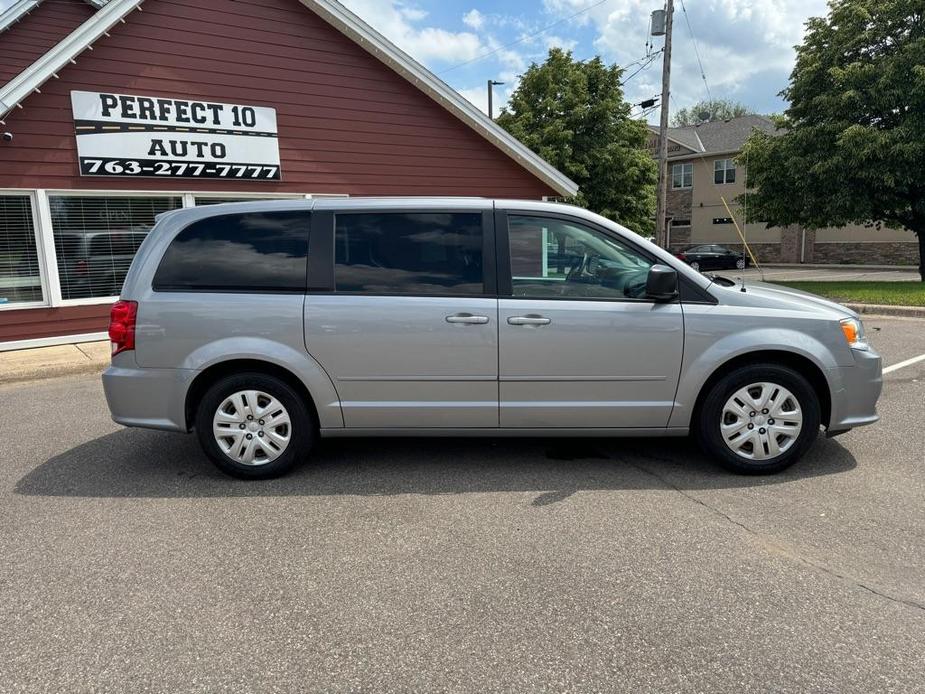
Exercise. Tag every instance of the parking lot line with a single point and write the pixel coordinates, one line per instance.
(902, 364)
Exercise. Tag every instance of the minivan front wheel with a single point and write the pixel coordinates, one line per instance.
(254, 426)
(759, 419)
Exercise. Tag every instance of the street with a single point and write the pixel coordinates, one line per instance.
(130, 564)
(841, 273)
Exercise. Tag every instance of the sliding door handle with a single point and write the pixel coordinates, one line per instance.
(528, 320)
(467, 319)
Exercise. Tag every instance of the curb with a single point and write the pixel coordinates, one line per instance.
(41, 363)
(56, 371)
(884, 310)
(841, 266)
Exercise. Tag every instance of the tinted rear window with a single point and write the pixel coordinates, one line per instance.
(257, 251)
(409, 253)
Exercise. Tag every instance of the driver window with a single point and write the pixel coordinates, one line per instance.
(555, 258)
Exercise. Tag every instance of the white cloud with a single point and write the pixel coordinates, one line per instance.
(474, 19)
(399, 22)
(553, 41)
(746, 45)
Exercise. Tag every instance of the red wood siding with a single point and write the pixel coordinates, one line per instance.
(347, 123)
(30, 323)
(31, 37)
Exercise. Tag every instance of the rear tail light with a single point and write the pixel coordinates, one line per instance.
(81, 267)
(122, 326)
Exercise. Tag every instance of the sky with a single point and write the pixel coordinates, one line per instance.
(745, 46)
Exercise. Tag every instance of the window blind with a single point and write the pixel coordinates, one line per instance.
(96, 238)
(20, 275)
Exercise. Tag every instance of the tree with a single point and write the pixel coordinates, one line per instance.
(573, 114)
(851, 146)
(719, 109)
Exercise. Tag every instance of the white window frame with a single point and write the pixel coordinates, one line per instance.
(45, 241)
(39, 249)
(682, 164)
(727, 166)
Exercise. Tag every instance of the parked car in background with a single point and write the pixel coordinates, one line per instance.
(713, 257)
(263, 326)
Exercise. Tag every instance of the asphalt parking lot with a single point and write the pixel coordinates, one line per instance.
(129, 564)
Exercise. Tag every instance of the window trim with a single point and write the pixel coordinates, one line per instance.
(505, 276)
(726, 169)
(682, 165)
(489, 265)
(44, 282)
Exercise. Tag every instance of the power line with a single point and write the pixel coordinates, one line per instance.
(703, 74)
(522, 38)
(647, 61)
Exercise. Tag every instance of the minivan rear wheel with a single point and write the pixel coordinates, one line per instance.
(254, 426)
(759, 419)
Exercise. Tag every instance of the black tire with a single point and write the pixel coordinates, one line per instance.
(710, 417)
(302, 432)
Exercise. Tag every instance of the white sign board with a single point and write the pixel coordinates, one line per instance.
(147, 136)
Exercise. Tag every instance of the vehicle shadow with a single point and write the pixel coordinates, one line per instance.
(150, 464)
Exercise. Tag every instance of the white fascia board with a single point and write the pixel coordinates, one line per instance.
(15, 12)
(60, 55)
(375, 43)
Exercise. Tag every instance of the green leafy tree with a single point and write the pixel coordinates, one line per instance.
(852, 142)
(718, 109)
(573, 114)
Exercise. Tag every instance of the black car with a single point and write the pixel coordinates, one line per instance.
(713, 257)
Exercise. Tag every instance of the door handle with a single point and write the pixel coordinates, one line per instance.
(467, 319)
(528, 320)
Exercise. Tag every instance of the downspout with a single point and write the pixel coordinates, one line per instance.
(803, 245)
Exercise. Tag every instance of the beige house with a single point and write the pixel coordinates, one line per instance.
(704, 178)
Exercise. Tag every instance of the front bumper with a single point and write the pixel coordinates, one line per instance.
(150, 398)
(855, 390)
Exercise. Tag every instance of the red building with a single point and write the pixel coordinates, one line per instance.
(113, 112)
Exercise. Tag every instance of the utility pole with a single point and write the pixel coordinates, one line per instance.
(491, 85)
(661, 209)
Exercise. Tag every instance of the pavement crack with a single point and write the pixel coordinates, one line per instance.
(775, 545)
(82, 352)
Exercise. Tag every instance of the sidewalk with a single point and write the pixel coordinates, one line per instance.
(49, 362)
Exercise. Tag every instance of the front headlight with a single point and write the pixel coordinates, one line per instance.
(853, 329)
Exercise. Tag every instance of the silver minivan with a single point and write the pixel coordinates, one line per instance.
(264, 325)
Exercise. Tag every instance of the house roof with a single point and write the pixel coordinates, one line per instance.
(114, 11)
(719, 136)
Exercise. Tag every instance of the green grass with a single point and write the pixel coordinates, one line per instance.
(887, 293)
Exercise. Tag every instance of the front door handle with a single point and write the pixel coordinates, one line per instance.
(528, 320)
(467, 319)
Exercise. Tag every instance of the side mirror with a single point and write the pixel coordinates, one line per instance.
(662, 283)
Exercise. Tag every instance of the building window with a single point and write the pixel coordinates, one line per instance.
(409, 253)
(724, 171)
(97, 237)
(682, 175)
(201, 200)
(253, 252)
(20, 274)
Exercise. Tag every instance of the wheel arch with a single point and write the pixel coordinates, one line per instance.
(799, 363)
(208, 376)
